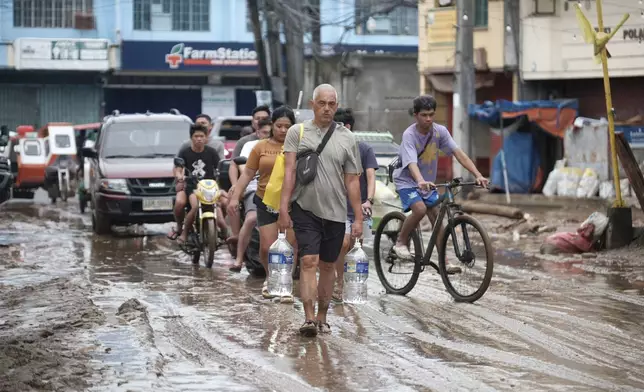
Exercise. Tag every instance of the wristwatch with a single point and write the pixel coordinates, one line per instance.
(370, 200)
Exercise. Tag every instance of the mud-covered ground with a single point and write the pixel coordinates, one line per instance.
(129, 312)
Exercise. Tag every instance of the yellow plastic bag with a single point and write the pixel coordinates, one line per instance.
(273, 191)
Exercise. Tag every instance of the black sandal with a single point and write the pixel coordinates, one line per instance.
(309, 329)
(235, 268)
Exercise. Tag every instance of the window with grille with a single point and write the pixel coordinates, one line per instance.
(480, 13)
(172, 15)
(375, 17)
(49, 13)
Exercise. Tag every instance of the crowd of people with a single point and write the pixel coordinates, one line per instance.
(322, 206)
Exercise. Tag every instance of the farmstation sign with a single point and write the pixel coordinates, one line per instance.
(188, 56)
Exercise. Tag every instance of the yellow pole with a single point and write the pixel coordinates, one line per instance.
(609, 109)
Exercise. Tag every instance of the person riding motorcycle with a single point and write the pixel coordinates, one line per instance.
(259, 113)
(250, 208)
(201, 160)
(218, 146)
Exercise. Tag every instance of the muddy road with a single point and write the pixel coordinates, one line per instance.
(130, 313)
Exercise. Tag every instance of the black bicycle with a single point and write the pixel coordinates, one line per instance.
(465, 252)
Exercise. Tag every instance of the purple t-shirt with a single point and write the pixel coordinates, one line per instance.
(412, 144)
(369, 161)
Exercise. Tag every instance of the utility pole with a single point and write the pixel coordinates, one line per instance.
(465, 92)
(275, 52)
(259, 44)
(316, 40)
(294, 53)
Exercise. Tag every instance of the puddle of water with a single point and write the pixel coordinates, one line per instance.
(211, 330)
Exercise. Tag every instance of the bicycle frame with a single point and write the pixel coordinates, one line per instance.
(448, 207)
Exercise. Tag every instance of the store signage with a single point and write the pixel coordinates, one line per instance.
(62, 54)
(634, 34)
(188, 56)
(222, 56)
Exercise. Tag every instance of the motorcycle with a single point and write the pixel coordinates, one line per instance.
(83, 174)
(59, 178)
(202, 237)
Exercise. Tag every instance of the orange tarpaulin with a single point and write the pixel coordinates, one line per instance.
(551, 120)
(553, 117)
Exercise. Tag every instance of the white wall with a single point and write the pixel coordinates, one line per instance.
(553, 47)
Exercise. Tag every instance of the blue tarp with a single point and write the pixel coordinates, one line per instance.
(490, 112)
(522, 162)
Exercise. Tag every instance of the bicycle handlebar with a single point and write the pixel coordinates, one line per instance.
(456, 182)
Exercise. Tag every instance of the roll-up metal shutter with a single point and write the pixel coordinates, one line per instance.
(18, 105)
(77, 104)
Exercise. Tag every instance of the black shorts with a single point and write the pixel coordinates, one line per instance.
(264, 216)
(317, 236)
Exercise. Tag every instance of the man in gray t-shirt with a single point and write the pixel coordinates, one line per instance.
(319, 209)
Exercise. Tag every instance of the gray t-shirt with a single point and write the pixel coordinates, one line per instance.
(326, 196)
(240, 144)
(218, 145)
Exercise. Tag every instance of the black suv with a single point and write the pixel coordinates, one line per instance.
(131, 179)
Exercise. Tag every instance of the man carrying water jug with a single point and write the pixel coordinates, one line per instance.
(322, 168)
(367, 190)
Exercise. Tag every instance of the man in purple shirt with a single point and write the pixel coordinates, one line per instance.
(414, 180)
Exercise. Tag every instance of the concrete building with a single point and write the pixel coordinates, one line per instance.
(374, 64)
(82, 58)
(494, 59)
(52, 60)
(557, 63)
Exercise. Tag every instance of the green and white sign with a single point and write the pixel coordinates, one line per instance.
(62, 54)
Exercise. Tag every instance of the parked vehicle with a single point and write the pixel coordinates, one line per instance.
(26, 156)
(131, 179)
(230, 128)
(59, 140)
(385, 149)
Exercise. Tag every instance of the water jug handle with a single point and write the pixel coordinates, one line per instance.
(358, 243)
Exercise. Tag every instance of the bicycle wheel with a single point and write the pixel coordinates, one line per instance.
(388, 266)
(473, 242)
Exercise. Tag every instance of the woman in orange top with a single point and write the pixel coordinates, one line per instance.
(262, 159)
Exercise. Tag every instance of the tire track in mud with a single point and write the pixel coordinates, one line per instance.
(195, 340)
(512, 339)
(549, 341)
(190, 339)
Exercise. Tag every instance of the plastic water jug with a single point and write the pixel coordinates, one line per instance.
(280, 267)
(356, 273)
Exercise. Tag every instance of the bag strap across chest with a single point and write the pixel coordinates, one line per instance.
(325, 139)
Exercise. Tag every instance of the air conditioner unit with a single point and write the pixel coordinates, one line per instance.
(545, 7)
(83, 21)
(480, 59)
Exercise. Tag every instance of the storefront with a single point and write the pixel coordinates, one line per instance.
(50, 80)
(194, 77)
(560, 64)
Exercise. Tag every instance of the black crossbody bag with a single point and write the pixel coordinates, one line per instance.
(307, 161)
(396, 163)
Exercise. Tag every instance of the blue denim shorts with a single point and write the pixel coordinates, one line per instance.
(409, 196)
